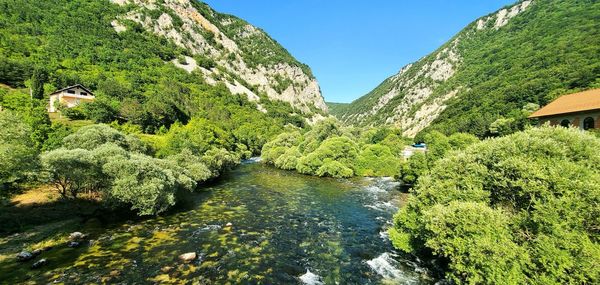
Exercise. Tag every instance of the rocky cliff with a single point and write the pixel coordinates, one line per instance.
(223, 48)
(490, 70)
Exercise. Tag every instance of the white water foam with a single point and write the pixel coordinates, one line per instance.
(310, 278)
(252, 160)
(383, 206)
(387, 267)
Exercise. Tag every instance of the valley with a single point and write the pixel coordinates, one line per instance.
(164, 142)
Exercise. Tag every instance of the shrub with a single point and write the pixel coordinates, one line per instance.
(218, 159)
(377, 160)
(334, 169)
(198, 136)
(193, 165)
(340, 149)
(539, 189)
(289, 159)
(147, 184)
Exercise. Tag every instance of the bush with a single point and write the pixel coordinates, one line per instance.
(289, 159)
(438, 145)
(101, 110)
(314, 152)
(520, 208)
(74, 113)
(340, 149)
(377, 160)
(334, 169)
(147, 184)
(193, 166)
(217, 160)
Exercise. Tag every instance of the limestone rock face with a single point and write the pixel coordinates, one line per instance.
(245, 58)
(419, 93)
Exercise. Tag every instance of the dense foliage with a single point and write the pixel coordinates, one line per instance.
(18, 156)
(550, 49)
(43, 46)
(437, 146)
(513, 210)
(333, 151)
(103, 163)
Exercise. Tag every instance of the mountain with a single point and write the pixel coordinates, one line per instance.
(526, 53)
(336, 108)
(90, 42)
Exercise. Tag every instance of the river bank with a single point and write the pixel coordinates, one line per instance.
(256, 225)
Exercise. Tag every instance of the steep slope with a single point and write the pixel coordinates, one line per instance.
(336, 108)
(525, 53)
(235, 46)
(111, 37)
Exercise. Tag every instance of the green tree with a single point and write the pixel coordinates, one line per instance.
(72, 171)
(18, 155)
(91, 137)
(38, 79)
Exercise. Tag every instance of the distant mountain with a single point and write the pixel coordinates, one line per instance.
(336, 108)
(525, 53)
(127, 40)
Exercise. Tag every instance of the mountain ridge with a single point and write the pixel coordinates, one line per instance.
(428, 93)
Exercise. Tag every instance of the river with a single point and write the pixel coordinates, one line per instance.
(284, 228)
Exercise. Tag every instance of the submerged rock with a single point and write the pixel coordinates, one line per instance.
(73, 244)
(24, 256)
(39, 263)
(77, 236)
(310, 278)
(188, 257)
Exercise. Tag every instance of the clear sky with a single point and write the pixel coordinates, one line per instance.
(352, 46)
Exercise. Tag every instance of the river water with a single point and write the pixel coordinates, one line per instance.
(284, 228)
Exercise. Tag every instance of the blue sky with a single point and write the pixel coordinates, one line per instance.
(352, 46)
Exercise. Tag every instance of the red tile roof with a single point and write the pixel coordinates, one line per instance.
(578, 102)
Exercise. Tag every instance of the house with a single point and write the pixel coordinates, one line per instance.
(581, 110)
(70, 97)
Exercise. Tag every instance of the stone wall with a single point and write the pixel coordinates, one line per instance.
(575, 119)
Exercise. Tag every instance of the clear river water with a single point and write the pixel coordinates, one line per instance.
(284, 228)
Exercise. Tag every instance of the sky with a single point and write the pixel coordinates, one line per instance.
(352, 46)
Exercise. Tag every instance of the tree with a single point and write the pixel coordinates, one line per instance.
(73, 171)
(340, 149)
(477, 241)
(91, 137)
(198, 136)
(18, 155)
(193, 165)
(39, 77)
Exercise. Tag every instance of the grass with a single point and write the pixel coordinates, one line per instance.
(75, 124)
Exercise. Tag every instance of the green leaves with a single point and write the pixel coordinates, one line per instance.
(18, 155)
(330, 150)
(518, 209)
(147, 184)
